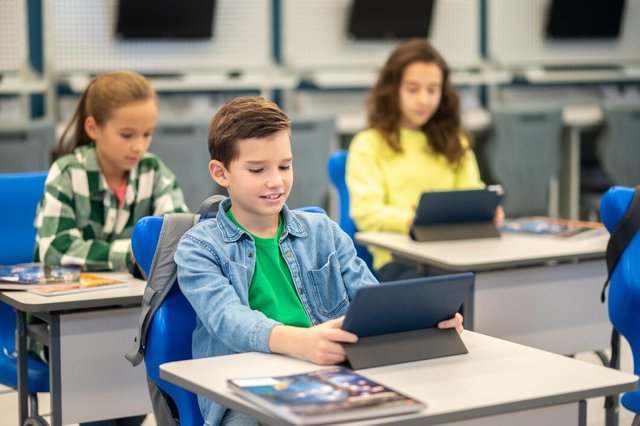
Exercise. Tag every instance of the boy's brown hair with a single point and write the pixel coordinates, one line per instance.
(246, 117)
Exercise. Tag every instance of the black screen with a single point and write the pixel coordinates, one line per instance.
(390, 19)
(585, 19)
(165, 19)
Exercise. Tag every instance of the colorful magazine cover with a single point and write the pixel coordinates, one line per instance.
(27, 275)
(560, 228)
(324, 396)
(88, 282)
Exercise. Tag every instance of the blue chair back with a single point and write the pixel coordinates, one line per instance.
(624, 288)
(171, 328)
(23, 191)
(337, 173)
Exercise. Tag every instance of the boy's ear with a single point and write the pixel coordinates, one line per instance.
(218, 172)
(91, 127)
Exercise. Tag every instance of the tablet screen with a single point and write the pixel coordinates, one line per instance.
(406, 305)
(438, 207)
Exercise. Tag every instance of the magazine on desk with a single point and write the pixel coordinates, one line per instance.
(52, 280)
(324, 396)
(554, 227)
(88, 282)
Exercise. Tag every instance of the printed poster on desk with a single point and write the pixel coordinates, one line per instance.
(324, 397)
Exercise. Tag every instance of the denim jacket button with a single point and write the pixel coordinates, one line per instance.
(288, 254)
(250, 254)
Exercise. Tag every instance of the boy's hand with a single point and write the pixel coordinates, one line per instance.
(455, 322)
(320, 344)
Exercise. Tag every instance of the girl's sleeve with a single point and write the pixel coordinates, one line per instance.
(61, 242)
(367, 189)
(167, 195)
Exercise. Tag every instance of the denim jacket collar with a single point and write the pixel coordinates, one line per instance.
(232, 233)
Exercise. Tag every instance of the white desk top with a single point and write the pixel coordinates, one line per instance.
(31, 302)
(488, 253)
(495, 377)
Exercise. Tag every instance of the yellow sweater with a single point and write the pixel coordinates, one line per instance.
(385, 186)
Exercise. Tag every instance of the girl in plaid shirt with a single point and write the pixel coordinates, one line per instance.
(104, 179)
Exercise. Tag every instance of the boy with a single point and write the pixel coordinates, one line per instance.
(260, 276)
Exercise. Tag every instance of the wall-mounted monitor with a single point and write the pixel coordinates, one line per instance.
(390, 19)
(165, 19)
(585, 19)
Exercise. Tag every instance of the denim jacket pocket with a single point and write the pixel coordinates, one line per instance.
(328, 287)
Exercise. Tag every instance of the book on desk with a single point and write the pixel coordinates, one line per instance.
(324, 396)
(553, 227)
(52, 280)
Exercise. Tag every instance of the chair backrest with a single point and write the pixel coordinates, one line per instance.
(171, 328)
(21, 192)
(619, 147)
(523, 155)
(337, 169)
(624, 287)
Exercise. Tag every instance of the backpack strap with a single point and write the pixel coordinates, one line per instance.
(621, 236)
(162, 276)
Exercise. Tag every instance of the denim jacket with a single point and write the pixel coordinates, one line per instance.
(216, 261)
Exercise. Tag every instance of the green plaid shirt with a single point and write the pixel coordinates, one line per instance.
(79, 220)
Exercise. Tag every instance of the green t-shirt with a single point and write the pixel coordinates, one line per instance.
(272, 291)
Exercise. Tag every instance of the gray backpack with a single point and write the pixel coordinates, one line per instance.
(161, 278)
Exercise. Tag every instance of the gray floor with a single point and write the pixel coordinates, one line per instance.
(595, 412)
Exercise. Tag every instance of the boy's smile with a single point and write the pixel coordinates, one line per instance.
(259, 181)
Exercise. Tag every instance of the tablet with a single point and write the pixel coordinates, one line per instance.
(406, 305)
(471, 205)
(460, 214)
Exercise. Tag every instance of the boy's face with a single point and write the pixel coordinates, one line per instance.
(259, 180)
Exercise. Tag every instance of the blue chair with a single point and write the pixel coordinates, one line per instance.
(337, 169)
(171, 328)
(23, 191)
(624, 287)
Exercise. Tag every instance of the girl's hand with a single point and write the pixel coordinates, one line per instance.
(455, 322)
(498, 217)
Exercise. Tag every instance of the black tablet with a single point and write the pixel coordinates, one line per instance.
(459, 214)
(406, 305)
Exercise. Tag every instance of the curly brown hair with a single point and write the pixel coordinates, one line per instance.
(443, 129)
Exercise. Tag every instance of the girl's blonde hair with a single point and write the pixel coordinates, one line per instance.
(104, 94)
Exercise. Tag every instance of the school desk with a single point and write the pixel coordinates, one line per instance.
(88, 335)
(534, 290)
(496, 383)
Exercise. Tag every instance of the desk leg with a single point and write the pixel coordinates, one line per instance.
(23, 382)
(612, 411)
(55, 385)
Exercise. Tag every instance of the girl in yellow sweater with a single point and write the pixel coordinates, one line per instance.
(414, 144)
